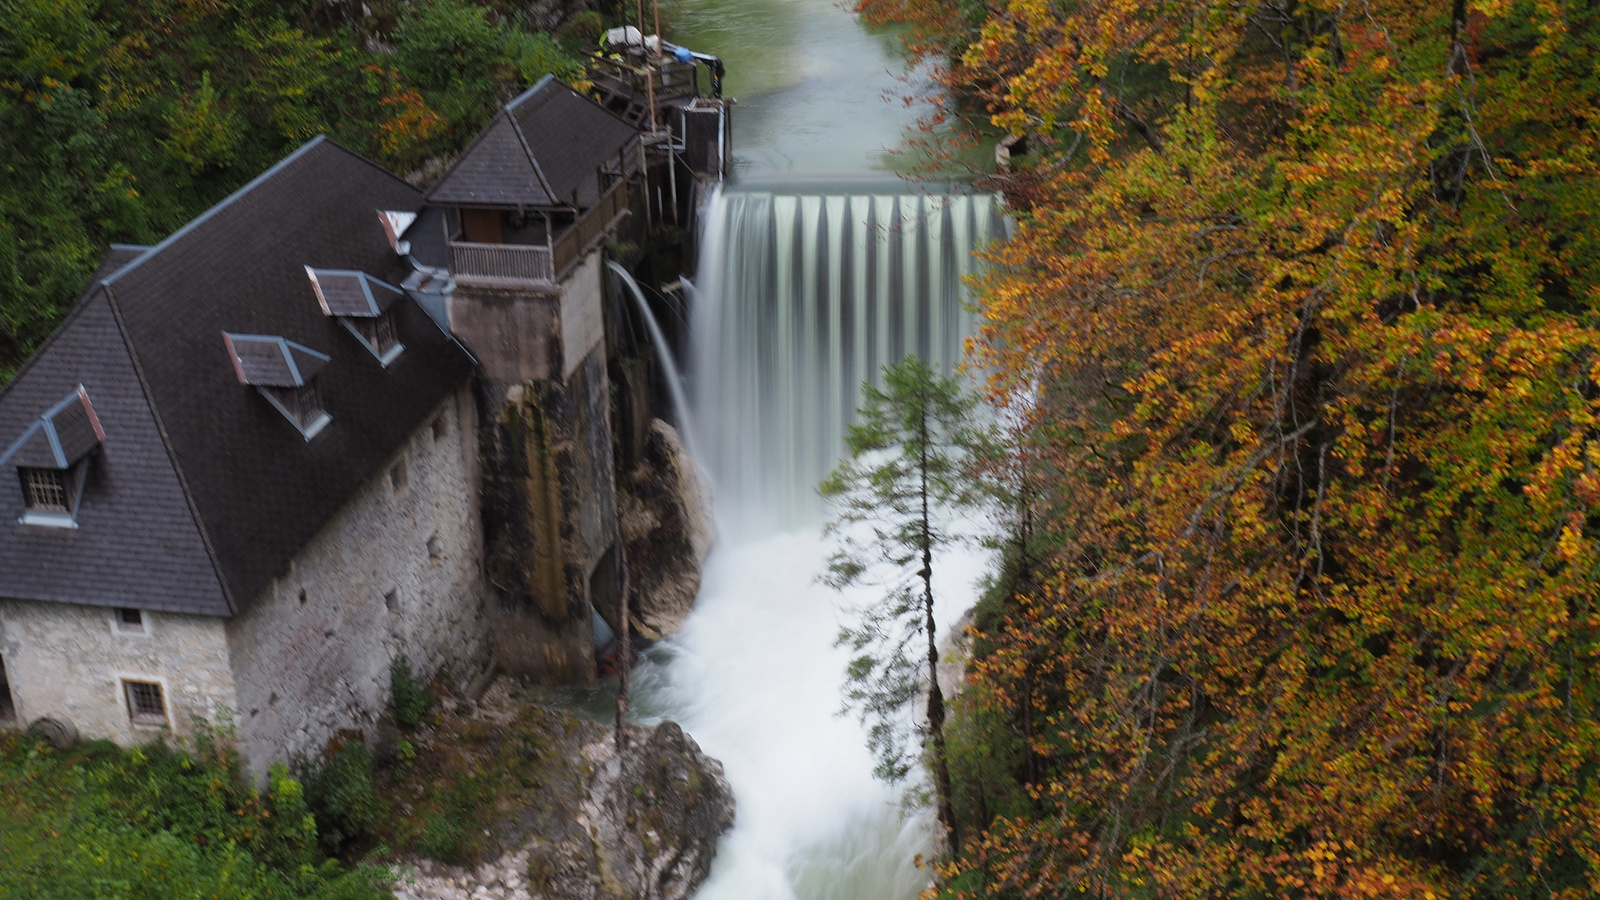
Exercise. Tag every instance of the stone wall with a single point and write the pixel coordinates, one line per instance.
(582, 313)
(550, 522)
(513, 334)
(398, 570)
(67, 661)
(549, 491)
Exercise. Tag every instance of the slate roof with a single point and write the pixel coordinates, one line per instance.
(201, 491)
(65, 434)
(542, 150)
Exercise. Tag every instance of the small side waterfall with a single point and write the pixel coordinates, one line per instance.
(803, 297)
(680, 403)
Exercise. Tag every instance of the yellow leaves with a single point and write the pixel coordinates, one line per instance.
(202, 131)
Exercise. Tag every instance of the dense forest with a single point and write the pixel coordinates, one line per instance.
(121, 121)
(1302, 325)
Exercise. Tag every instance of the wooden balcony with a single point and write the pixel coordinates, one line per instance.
(540, 267)
(501, 265)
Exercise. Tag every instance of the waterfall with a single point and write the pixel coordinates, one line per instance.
(680, 403)
(801, 296)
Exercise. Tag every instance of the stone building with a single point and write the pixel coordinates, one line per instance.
(521, 221)
(250, 468)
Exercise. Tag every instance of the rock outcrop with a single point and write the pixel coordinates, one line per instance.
(666, 526)
(656, 811)
(644, 826)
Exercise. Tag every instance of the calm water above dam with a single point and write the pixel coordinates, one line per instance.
(818, 93)
(818, 266)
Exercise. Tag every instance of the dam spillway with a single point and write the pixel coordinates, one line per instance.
(806, 293)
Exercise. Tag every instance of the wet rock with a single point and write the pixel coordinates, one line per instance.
(666, 525)
(644, 826)
(656, 812)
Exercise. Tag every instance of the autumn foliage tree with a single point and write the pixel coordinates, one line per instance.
(1301, 314)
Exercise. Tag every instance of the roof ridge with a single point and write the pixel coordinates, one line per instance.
(516, 129)
(39, 351)
(212, 556)
(535, 88)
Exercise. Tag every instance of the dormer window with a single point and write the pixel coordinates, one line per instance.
(364, 305)
(302, 404)
(44, 490)
(378, 334)
(51, 460)
(284, 372)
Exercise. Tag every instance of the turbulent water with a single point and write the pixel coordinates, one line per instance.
(804, 289)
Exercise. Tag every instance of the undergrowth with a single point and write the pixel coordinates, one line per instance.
(159, 822)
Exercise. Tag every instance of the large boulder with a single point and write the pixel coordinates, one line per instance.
(639, 825)
(666, 526)
(655, 813)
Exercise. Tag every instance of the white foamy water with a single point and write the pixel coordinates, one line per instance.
(755, 678)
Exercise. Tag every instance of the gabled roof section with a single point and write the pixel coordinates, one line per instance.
(267, 360)
(342, 292)
(65, 434)
(544, 149)
(136, 543)
(259, 491)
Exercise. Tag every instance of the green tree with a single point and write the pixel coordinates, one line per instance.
(895, 496)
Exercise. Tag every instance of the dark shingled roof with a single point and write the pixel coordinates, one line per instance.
(544, 149)
(136, 543)
(202, 492)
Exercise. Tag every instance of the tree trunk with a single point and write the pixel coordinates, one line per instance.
(624, 647)
(941, 765)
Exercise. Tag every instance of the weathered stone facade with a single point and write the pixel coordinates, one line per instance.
(396, 571)
(69, 662)
(549, 489)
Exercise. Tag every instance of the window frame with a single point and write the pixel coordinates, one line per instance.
(143, 719)
(63, 516)
(383, 325)
(295, 413)
(121, 628)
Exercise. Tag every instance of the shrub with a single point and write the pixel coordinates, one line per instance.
(340, 794)
(157, 822)
(441, 837)
(409, 694)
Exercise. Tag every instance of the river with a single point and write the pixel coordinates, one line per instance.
(754, 675)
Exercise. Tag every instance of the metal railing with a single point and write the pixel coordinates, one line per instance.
(510, 263)
(575, 242)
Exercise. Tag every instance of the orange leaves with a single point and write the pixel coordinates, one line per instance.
(410, 124)
(1304, 313)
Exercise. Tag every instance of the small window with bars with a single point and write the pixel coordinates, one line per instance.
(129, 621)
(146, 704)
(379, 334)
(45, 490)
(303, 403)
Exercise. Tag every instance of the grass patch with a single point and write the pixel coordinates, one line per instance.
(157, 822)
(473, 789)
